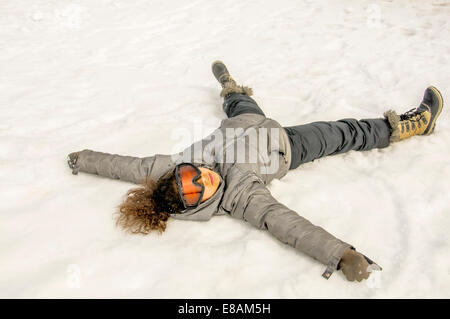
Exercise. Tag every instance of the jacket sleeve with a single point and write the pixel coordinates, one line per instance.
(137, 169)
(258, 207)
(126, 168)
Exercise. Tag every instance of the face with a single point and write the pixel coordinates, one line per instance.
(210, 180)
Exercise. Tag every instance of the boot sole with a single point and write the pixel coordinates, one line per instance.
(441, 105)
(223, 77)
(217, 61)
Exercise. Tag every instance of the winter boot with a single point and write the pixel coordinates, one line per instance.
(419, 121)
(228, 84)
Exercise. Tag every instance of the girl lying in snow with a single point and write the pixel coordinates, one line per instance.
(227, 172)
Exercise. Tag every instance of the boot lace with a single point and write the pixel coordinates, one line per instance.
(412, 115)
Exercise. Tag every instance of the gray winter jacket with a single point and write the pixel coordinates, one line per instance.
(242, 193)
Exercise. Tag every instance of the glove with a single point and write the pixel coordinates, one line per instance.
(72, 161)
(356, 266)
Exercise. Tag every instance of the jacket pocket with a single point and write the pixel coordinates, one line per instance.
(236, 188)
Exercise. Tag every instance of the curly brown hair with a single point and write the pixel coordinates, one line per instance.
(149, 207)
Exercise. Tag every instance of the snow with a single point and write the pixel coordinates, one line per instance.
(129, 77)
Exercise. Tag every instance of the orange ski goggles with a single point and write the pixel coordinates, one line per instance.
(189, 189)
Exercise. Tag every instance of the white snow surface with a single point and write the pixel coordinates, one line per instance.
(129, 77)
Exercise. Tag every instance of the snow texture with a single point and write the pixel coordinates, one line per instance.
(133, 77)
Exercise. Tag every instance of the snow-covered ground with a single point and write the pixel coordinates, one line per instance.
(127, 77)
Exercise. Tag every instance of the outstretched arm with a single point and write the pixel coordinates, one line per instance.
(257, 206)
(137, 169)
(126, 168)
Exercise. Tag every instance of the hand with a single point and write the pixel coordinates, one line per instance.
(355, 265)
(72, 160)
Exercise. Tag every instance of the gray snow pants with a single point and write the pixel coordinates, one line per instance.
(318, 139)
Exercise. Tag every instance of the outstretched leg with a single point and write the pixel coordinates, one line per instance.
(318, 139)
(237, 98)
(236, 104)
